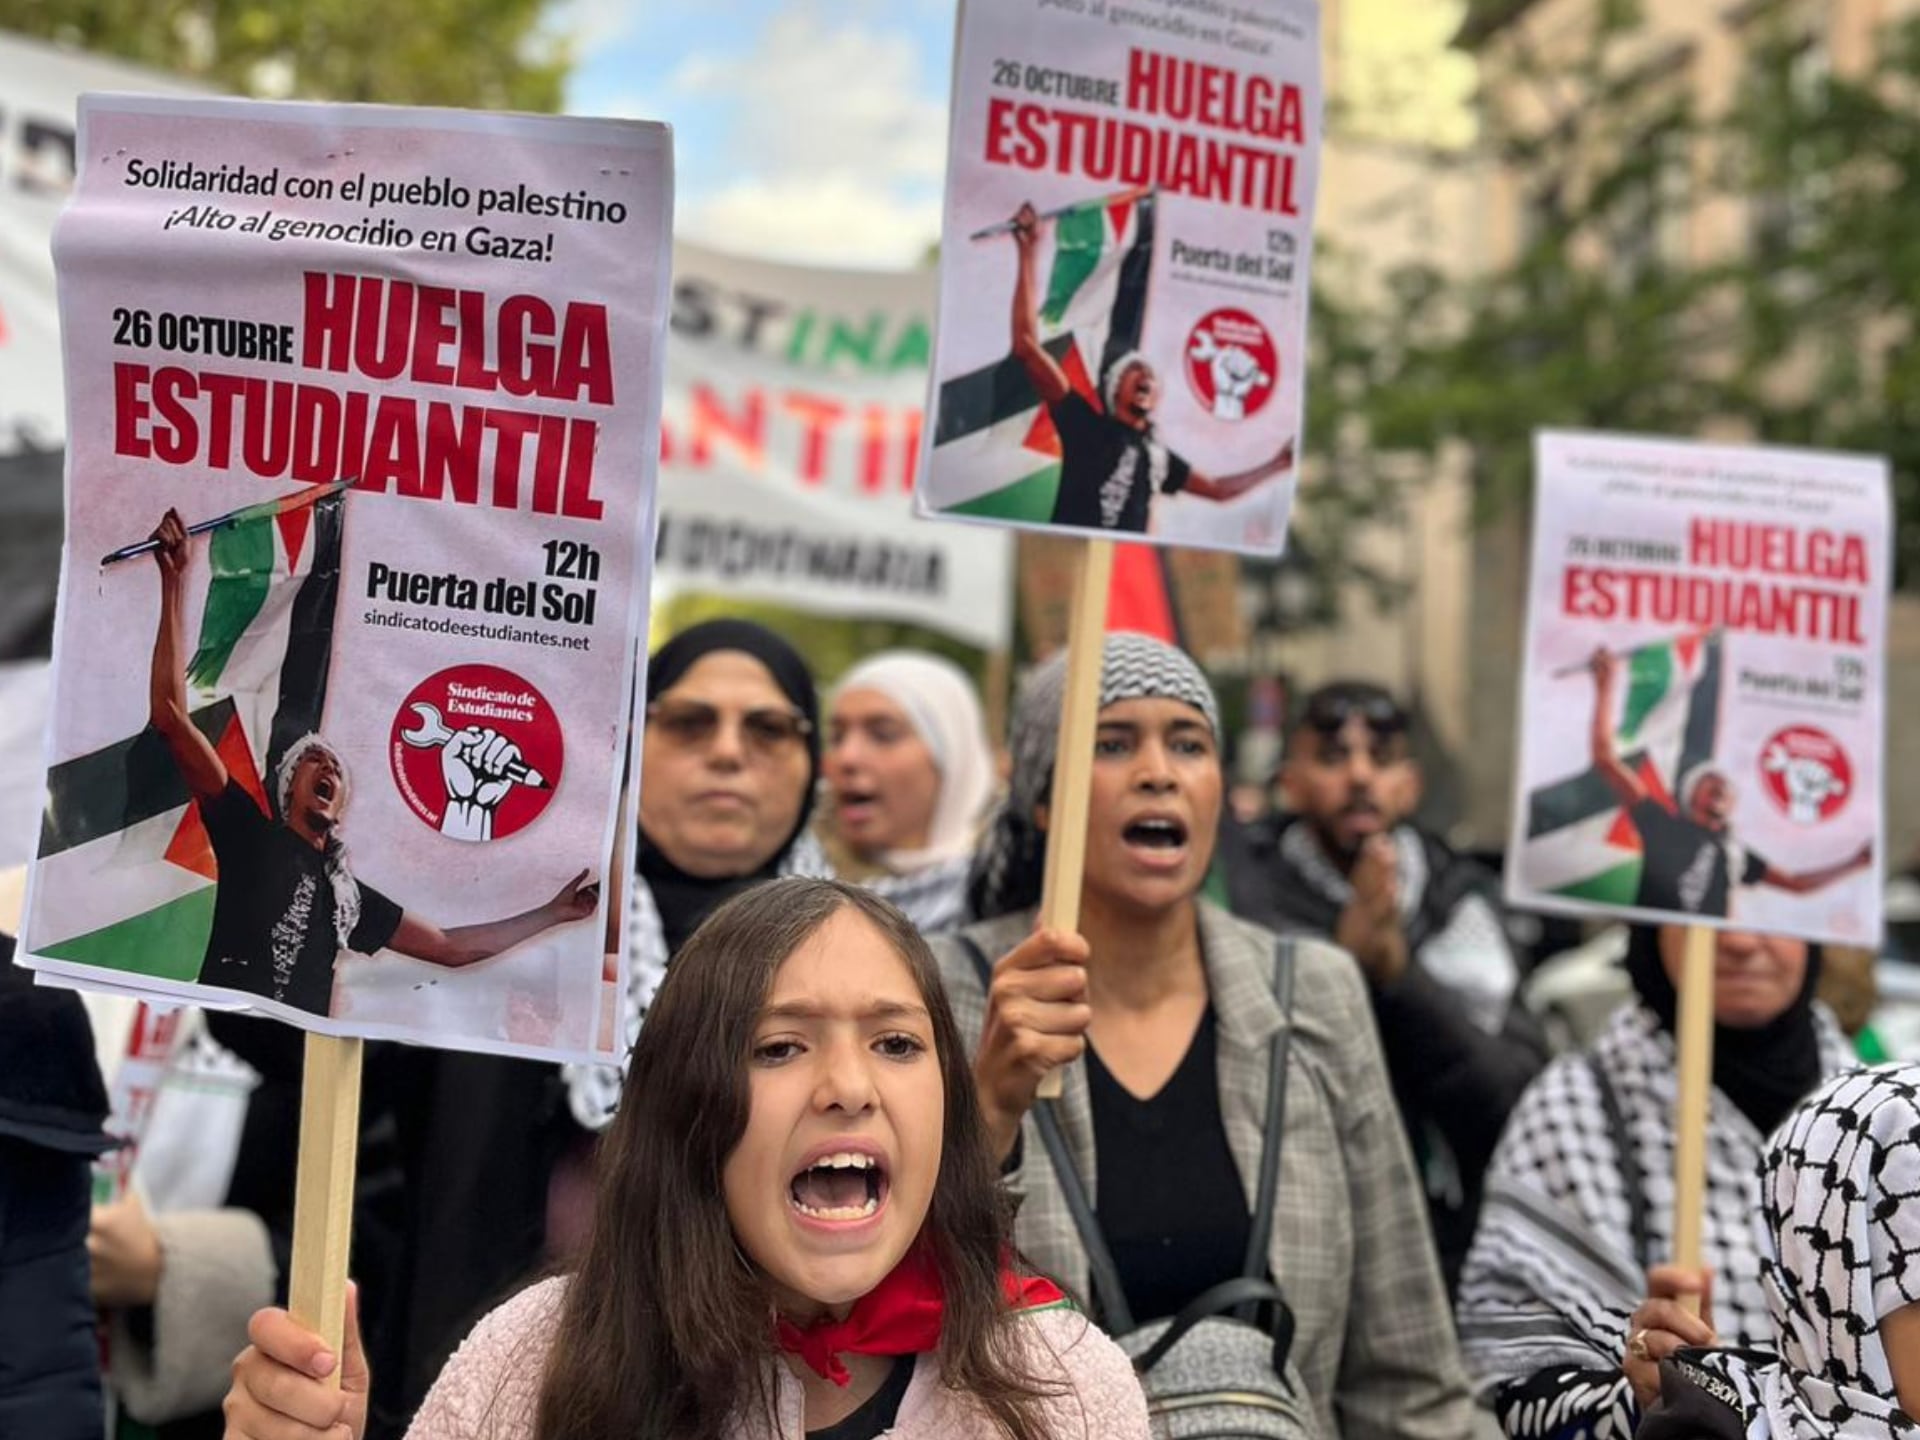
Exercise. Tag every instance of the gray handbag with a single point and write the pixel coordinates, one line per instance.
(1218, 1369)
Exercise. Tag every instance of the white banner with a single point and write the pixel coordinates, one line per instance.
(792, 436)
(38, 87)
(1702, 724)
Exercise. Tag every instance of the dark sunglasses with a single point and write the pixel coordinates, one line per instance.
(692, 724)
(1329, 713)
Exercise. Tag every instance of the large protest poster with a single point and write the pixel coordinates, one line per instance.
(791, 440)
(1128, 354)
(1702, 732)
(348, 746)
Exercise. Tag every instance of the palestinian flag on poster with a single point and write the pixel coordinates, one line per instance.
(1580, 842)
(991, 426)
(125, 873)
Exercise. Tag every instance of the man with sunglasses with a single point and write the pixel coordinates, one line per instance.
(1348, 863)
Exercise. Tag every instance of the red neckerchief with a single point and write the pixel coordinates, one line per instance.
(899, 1316)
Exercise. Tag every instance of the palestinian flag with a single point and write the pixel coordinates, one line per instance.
(991, 427)
(1580, 842)
(125, 874)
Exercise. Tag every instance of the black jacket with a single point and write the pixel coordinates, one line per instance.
(1455, 1083)
(51, 1094)
(52, 1107)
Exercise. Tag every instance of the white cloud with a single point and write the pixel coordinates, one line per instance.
(829, 120)
(831, 219)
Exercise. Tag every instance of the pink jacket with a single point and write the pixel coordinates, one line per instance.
(490, 1389)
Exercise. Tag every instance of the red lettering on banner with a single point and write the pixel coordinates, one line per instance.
(747, 434)
(389, 329)
(1818, 554)
(389, 443)
(821, 417)
(1706, 602)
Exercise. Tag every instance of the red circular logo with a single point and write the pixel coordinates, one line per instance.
(1231, 364)
(476, 752)
(1807, 774)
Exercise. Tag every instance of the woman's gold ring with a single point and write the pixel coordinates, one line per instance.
(1637, 1345)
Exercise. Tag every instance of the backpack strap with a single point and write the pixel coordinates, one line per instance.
(1267, 1191)
(1629, 1159)
(1242, 1294)
(1115, 1314)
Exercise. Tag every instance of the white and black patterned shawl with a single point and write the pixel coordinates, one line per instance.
(593, 1091)
(1553, 1277)
(1840, 1223)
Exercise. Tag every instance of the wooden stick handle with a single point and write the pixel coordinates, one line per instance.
(1073, 753)
(323, 1192)
(1694, 1039)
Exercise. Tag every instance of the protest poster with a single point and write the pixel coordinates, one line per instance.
(1127, 355)
(790, 443)
(346, 746)
(1701, 709)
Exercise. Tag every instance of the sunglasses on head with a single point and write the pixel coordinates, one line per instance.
(693, 724)
(1330, 713)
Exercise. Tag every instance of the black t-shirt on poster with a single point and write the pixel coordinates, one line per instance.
(1109, 470)
(273, 932)
(1687, 867)
(1169, 1197)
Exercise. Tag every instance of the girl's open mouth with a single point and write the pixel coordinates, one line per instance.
(841, 1187)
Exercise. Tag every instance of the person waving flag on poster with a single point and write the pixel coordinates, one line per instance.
(286, 900)
(1112, 460)
(1692, 862)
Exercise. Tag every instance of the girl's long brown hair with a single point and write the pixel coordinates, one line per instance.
(667, 1328)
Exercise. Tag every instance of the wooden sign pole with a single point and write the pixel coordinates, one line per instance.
(1694, 1041)
(1073, 753)
(323, 1193)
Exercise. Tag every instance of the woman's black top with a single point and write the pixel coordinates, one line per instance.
(876, 1417)
(1169, 1197)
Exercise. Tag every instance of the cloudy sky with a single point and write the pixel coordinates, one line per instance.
(810, 129)
(816, 129)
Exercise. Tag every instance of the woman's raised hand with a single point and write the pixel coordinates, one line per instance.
(280, 1389)
(1037, 1019)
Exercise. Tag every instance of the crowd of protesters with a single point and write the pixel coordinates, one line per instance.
(824, 1196)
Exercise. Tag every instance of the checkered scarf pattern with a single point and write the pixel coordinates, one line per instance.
(593, 1091)
(1008, 870)
(1840, 1210)
(1552, 1280)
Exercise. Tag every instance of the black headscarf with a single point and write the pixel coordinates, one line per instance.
(1764, 1070)
(685, 900)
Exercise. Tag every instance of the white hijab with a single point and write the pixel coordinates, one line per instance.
(943, 708)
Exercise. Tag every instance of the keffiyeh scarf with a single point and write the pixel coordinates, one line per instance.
(1553, 1277)
(593, 1091)
(1840, 1216)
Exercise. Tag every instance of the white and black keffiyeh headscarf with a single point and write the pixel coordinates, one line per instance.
(1553, 1278)
(1008, 870)
(1840, 1238)
(339, 866)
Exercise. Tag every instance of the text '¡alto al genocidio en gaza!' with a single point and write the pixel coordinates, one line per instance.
(494, 455)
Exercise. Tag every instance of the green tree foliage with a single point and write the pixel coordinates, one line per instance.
(492, 54)
(1804, 330)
